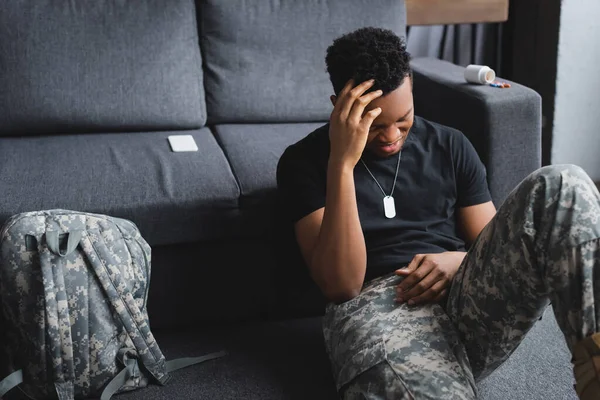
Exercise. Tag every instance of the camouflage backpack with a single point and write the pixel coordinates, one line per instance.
(73, 291)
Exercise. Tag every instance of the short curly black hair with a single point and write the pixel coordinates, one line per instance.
(368, 53)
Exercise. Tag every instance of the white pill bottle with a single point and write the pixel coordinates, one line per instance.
(480, 74)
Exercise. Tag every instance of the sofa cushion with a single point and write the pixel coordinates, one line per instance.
(265, 60)
(253, 151)
(172, 197)
(99, 66)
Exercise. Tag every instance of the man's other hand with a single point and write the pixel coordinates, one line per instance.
(428, 277)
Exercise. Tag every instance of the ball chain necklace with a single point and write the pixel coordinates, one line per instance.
(389, 207)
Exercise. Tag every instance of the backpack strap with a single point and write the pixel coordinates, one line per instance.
(118, 381)
(11, 381)
(179, 363)
(73, 239)
(122, 377)
(106, 268)
(58, 322)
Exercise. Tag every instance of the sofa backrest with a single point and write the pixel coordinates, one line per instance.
(110, 65)
(264, 60)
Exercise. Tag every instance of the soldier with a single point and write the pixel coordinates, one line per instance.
(430, 287)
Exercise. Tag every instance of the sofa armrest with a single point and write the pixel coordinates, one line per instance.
(504, 125)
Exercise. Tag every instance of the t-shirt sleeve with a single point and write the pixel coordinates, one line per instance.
(301, 186)
(471, 175)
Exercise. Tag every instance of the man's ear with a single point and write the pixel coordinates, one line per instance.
(333, 99)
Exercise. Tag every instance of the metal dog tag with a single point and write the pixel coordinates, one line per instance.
(389, 207)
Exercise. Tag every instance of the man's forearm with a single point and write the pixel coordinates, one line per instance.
(340, 259)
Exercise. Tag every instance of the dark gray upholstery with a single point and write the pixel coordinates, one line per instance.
(254, 162)
(212, 282)
(172, 197)
(104, 66)
(504, 125)
(265, 60)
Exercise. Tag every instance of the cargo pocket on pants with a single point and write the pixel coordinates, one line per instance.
(368, 374)
(360, 360)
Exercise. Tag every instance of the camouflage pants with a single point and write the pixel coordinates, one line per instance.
(542, 246)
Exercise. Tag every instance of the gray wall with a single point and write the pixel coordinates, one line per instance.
(576, 134)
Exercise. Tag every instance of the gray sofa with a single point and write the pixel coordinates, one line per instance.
(89, 93)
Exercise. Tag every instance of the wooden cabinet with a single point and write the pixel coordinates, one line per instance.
(440, 12)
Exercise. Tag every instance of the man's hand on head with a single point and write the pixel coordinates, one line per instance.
(349, 124)
(428, 277)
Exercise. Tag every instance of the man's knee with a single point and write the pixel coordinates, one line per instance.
(559, 177)
(561, 171)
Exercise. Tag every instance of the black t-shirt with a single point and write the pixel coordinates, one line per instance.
(439, 172)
